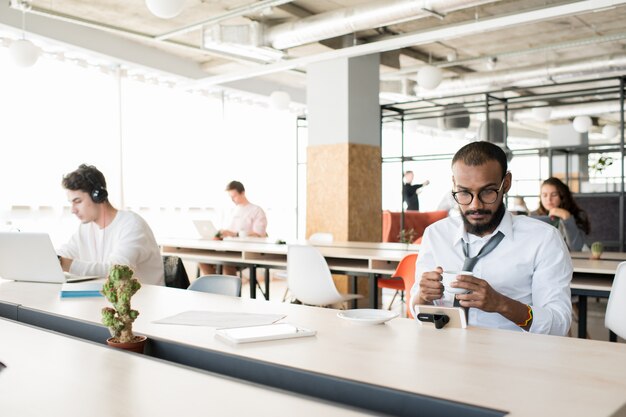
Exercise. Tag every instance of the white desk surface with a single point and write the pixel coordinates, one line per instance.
(524, 374)
(609, 256)
(358, 259)
(595, 266)
(52, 375)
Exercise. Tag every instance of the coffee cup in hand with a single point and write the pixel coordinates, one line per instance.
(449, 277)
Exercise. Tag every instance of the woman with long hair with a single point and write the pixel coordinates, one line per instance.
(556, 201)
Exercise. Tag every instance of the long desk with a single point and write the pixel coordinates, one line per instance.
(592, 278)
(522, 374)
(353, 258)
(52, 375)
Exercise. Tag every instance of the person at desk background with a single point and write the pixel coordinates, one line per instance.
(523, 282)
(409, 191)
(556, 201)
(247, 219)
(106, 236)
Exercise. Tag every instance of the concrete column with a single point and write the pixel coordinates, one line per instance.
(343, 156)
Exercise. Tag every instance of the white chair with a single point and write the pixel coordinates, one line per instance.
(309, 277)
(217, 284)
(615, 318)
(319, 237)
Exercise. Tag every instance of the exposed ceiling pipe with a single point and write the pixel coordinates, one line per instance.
(532, 75)
(568, 111)
(236, 12)
(422, 37)
(366, 16)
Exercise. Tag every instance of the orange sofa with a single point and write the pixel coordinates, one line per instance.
(416, 220)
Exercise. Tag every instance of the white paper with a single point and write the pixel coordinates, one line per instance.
(220, 319)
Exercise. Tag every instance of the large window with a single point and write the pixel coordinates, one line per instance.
(165, 152)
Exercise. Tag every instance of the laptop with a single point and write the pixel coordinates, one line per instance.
(206, 228)
(31, 257)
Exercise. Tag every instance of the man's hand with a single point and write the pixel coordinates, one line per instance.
(482, 296)
(426, 183)
(431, 287)
(227, 233)
(66, 263)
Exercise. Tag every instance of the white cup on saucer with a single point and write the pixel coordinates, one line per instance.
(243, 233)
(449, 277)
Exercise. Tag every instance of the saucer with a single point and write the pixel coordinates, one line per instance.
(367, 315)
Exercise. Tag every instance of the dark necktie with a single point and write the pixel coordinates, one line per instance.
(470, 262)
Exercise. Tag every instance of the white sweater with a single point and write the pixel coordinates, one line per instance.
(128, 240)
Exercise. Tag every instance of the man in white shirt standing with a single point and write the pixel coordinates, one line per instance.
(247, 220)
(521, 279)
(106, 236)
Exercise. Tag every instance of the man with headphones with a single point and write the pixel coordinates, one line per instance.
(106, 236)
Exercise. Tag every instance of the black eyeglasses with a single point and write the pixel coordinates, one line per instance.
(486, 196)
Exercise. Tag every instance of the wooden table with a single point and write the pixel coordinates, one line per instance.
(477, 367)
(367, 259)
(607, 256)
(52, 375)
(592, 278)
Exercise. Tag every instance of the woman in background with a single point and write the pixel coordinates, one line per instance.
(556, 201)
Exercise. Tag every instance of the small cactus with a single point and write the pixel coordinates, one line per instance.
(119, 288)
(596, 250)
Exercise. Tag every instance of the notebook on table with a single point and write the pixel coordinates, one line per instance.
(31, 257)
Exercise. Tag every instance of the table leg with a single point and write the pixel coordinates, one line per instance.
(353, 289)
(267, 283)
(253, 281)
(373, 280)
(582, 316)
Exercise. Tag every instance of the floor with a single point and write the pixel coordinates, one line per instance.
(595, 314)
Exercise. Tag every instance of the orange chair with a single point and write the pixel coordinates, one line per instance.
(402, 279)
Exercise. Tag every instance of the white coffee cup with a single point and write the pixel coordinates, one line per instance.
(243, 233)
(449, 277)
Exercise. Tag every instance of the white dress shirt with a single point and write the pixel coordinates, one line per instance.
(531, 265)
(248, 218)
(127, 240)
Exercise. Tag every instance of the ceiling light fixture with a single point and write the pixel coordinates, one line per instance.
(279, 100)
(541, 114)
(23, 52)
(609, 131)
(165, 9)
(582, 124)
(429, 77)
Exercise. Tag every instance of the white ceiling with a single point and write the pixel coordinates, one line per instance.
(574, 33)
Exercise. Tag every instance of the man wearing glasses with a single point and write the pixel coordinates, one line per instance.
(520, 267)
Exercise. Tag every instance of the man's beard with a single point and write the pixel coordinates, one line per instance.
(482, 229)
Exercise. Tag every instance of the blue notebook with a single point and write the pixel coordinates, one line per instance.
(81, 289)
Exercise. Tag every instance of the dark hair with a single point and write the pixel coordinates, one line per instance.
(235, 185)
(478, 153)
(567, 203)
(86, 178)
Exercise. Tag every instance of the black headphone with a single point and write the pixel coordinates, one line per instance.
(99, 192)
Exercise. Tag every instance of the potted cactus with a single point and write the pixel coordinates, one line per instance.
(119, 288)
(596, 250)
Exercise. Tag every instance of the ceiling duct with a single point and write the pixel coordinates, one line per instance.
(244, 40)
(532, 75)
(496, 131)
(366, 16)
(455, 116)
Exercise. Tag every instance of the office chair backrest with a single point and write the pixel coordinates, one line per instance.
(309, 277)
(321, 237)
(218, 284)
(175, 274)
(615, 318)
(406, 271)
